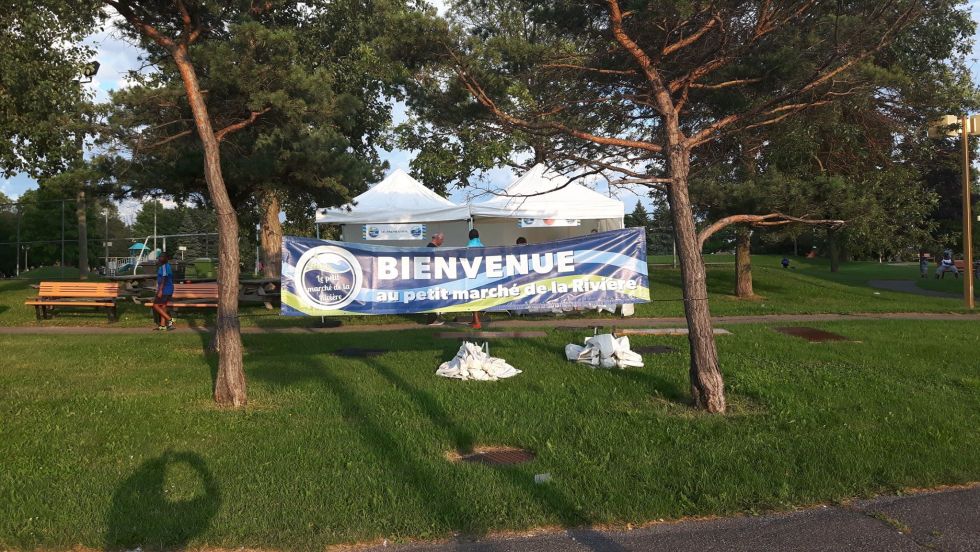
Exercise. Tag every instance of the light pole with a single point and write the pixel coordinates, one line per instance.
(946, 126)
(26, 249)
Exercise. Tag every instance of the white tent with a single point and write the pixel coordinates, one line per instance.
(549, 203)
(402, 200)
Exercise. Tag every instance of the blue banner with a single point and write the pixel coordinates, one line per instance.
(322, 278)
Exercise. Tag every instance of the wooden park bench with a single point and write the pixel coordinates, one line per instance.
(51, 295)
(193, 296)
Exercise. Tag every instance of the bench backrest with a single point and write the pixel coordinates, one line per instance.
(88, 290)
(207, 290)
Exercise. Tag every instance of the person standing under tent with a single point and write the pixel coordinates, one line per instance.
(165, 291)
(475, 242)
(435, 319)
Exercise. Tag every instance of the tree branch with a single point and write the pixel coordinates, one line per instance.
(684, 42)
(772, 219)
(474, 88)
(664, 102)
(235, 127)
(124, 8)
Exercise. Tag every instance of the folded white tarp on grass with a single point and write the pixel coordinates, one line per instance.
(472, 363)
(604, 351)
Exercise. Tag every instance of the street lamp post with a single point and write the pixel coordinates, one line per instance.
(946, 126)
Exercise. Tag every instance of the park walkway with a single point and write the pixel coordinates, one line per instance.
(908, 286)
(947, 520)
(507, 323)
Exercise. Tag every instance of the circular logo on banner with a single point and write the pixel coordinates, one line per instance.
(373, 231)
(416, 231)
(329, 277)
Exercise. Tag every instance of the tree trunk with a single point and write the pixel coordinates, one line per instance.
(271, 235)
(834, 251)
(82, 234)
(229, 386)
(743, 264)
(707, 386)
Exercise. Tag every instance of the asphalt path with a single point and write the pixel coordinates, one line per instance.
(947, 520)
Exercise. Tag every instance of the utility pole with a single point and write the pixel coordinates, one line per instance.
(80, 210)
(18, 241)
(154, 225)
(62, 239)
(967, 219)
(107, 240)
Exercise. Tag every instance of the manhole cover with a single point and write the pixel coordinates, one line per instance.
(503, 456)
(654, 350)
(355, 352)
(811, 334)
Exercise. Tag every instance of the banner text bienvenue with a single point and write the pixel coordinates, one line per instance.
(322, 278)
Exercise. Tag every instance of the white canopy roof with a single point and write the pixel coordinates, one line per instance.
(397, 198)
(571, 201)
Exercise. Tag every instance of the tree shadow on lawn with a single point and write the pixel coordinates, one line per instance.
(547, 494)
(145, 512)
(443, 501)
(206, 335)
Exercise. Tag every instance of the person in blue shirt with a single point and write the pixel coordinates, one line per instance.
(474, 239)
(475, 242)
(165, 291)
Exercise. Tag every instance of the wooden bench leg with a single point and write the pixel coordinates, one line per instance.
(37, 312)
(48, 312)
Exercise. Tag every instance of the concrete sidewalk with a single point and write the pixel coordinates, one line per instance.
(509, 323)
(947, 520)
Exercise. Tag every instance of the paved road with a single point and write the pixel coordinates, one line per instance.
(908, 286)
(946, 521)
(565, 323)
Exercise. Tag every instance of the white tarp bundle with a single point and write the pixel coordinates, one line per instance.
(398, 198)
(604, 351)
(473, 363)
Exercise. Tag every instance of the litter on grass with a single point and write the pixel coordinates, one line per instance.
(604, 351)
(473, 363)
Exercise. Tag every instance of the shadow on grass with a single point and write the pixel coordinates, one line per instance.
(547, 495)
(145, 512)
(206, 335)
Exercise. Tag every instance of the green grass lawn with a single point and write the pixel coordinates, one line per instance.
(949, 284)
(809, 287)
(114, 442)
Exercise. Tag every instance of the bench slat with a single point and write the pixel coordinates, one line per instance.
(193, 296)
(72, 303)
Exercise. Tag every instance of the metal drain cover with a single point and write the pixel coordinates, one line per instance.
(812, 335)
(654, 350)
(499, 456)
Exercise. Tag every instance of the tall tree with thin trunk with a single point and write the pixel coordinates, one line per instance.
(640, 80)
(176, 29)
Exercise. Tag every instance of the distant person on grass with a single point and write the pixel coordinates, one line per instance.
(435, 319)
(475, 242)
(947, 265)
(784, 262)
(923, 265)
(165, 290)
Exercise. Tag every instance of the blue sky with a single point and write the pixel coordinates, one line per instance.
(118, 57)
